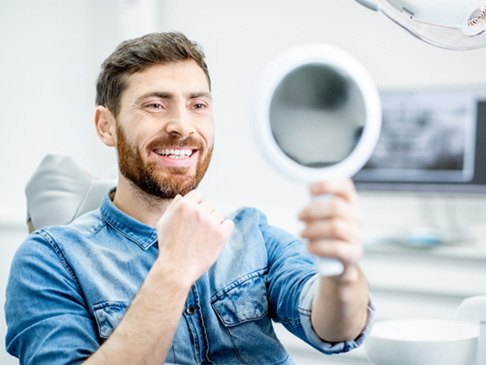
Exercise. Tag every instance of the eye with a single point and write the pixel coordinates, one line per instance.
(154, 106)
(199, 106)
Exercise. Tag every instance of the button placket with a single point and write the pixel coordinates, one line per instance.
(193, 317)
(190, 310)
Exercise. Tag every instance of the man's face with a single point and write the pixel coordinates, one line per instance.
(165, 129)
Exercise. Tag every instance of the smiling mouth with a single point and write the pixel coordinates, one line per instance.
(175, 153)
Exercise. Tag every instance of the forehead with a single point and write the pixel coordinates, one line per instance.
(185, 76)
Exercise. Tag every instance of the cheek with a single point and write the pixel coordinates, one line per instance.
(210, 140)
(207, 132)
(139, 137)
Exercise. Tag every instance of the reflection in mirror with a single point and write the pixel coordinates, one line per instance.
(317, 115)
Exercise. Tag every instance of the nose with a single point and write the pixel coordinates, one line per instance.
(179, 122)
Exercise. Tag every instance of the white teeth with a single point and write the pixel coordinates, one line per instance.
(174, 153)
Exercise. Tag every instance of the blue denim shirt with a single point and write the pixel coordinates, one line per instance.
(70, 286)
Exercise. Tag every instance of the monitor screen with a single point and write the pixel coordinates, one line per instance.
(431, 141)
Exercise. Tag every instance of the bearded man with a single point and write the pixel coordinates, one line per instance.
(157, 274)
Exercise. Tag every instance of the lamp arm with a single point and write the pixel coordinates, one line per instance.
(450, 24)
(370, 4)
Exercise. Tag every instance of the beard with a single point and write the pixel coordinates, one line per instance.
(150, 178)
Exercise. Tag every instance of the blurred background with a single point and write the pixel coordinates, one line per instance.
(425, 251)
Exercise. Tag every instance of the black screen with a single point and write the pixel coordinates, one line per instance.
(430, 142)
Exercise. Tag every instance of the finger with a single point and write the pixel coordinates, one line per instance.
(349, 253)
(332, 229)
(343, 188)
(206, 206)
(332, 208)
(194, 196)
(176, 199)
(174, 202)
(217, 216)
(210, 211)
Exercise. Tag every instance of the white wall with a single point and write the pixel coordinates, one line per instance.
(241, 37)
(51, 51)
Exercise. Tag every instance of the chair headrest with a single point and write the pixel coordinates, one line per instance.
(59, 191)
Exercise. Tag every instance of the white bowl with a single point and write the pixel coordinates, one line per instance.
(422, 342)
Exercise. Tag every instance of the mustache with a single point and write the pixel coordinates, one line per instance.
(175, 141)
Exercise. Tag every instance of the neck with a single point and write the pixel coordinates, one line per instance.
(136, 203)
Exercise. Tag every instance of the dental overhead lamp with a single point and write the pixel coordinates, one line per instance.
(450, 24)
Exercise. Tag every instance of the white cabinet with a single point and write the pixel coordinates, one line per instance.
(424, 283)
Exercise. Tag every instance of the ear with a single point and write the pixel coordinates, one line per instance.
(105, 125)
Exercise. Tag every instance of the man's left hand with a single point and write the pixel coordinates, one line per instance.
(333, 225)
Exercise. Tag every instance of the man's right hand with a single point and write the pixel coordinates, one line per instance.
(192, 233)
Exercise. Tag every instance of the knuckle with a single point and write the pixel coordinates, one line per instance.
(335, 206)
(184, 206)
(219, 234)
(355, 252)
(216, 213)
(335, 228)
(338, 250)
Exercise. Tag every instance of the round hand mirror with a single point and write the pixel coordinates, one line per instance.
(318, 117)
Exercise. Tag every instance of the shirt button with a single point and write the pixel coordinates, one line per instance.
(190, 310)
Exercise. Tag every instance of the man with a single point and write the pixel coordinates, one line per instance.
(157, 274)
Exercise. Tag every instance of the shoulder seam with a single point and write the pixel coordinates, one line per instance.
(60, 255)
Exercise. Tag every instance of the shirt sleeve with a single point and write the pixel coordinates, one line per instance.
(46, 314)
(305, 310)
(292, 277)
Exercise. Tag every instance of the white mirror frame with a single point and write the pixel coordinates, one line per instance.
(345, 64)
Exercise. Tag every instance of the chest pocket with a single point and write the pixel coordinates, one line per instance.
(242, 308)
(108, 315)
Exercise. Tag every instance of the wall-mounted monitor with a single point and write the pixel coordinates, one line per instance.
(431, 141)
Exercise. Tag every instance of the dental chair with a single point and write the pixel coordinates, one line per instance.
(60, 191)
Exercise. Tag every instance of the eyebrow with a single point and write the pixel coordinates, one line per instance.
(202, 94)
(168, 95)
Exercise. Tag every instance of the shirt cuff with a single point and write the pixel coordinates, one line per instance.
(305, 309)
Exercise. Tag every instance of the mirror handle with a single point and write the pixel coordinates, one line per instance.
(328, 266)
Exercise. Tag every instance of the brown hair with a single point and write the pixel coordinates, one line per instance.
(137, 54)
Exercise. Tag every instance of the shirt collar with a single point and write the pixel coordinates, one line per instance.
(141, 234)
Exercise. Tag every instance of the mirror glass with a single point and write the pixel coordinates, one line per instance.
(317, 115)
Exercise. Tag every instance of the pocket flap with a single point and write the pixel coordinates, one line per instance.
(243, 300)
(108, 315)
